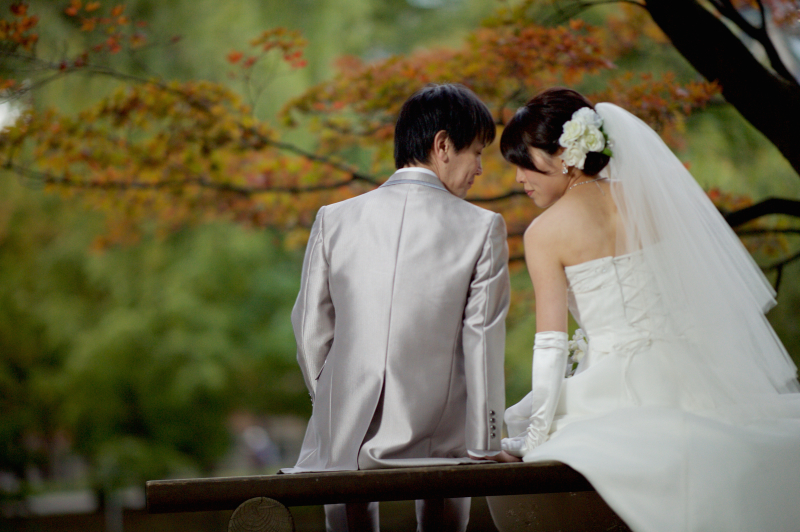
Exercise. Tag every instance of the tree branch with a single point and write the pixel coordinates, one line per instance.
(489, 199)
(757, 33)
(763, 208)
(755, 232)
(49, 179)
(355, 175)
(199, 104)
(778, 266)
(766, 100)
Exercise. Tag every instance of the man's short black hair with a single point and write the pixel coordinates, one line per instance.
(450, 107)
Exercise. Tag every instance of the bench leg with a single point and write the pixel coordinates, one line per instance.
(261, 514)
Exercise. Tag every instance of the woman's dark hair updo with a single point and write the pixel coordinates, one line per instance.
(540, 123)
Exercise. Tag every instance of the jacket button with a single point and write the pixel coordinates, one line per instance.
(493, 435)
(493, 427)
(491, 412)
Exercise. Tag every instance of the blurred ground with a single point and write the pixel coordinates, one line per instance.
(395, 516)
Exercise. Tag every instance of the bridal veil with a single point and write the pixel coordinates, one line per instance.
(712, 293)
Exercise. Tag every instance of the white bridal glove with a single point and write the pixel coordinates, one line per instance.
(549, 365)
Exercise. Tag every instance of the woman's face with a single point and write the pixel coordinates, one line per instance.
(547, 187)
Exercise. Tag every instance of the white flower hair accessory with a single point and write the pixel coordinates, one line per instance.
(582, 134)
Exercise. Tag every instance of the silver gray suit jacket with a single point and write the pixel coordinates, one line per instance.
(400, 328)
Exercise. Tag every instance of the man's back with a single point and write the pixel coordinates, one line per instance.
(404, 302)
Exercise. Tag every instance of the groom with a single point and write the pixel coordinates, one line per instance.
(400, 320)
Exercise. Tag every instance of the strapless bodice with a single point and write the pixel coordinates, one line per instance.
(628, 362)
(616, 303)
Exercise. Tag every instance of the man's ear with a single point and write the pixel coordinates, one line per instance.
(442, 146)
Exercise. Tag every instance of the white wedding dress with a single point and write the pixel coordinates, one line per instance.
(629, 421)
(685, 412)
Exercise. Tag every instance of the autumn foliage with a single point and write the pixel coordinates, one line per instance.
(165, 154)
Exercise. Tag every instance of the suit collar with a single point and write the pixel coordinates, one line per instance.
(414, 176)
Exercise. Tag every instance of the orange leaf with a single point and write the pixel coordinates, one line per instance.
(576, 24)
(19, 9)
(88, 24)
(234, 57)
(117, 11)
(27, 23)
(113, 45)
(92, 6)
(74, 7)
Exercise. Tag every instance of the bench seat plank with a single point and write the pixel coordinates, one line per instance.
(309, 489)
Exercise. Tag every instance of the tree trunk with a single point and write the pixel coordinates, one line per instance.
(766, 100)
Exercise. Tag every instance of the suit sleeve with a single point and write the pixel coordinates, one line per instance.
(483, 336)
(313, 315)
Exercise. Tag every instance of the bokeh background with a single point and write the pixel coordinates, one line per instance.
(172, 355)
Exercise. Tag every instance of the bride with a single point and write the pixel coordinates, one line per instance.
(684, 411)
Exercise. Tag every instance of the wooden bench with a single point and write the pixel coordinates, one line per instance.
(261, 501)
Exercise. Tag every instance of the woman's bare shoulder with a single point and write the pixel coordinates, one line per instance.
(561, 219)
(572, 229)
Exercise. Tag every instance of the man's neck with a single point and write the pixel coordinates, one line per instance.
(418, 168)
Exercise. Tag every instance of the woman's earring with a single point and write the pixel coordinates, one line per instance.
(564, 169)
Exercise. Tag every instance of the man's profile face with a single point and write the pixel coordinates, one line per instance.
(460, 171)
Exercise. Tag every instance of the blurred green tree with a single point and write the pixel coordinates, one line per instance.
(138, 355)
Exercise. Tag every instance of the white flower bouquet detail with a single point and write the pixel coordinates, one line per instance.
(576, 349)
(581, 135)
